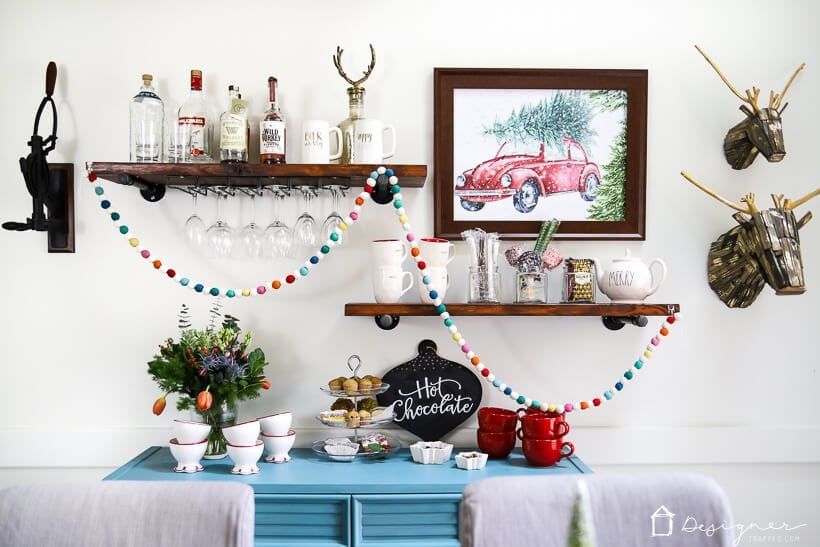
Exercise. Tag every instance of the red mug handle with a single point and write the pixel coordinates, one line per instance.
(571, 449)
(564, 426)
(519, 433)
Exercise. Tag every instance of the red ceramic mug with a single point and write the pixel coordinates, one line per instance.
(542, 426)
(497, 446)
(546, 452)
(496, 420)
(524, 410)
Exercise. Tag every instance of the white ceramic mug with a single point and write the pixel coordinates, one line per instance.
(368, 141)
(315, 137)
(436, 252)
(388, 284)
(388, 252)
(439, 281)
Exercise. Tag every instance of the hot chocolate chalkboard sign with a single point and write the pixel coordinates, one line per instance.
(432, 395)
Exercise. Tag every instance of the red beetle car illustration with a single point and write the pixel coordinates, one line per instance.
(526, 178)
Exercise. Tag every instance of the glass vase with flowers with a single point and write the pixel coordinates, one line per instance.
(210, 370)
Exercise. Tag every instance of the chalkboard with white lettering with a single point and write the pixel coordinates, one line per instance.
(432, 395)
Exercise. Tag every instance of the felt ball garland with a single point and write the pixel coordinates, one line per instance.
(415, 252)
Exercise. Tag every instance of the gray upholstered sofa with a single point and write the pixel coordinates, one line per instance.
(127, 514)
(630, 510)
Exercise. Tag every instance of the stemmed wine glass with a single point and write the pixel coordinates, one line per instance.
(252, 236)
(220, 234)
(195, 227)
(334, 218)
(304, 230)
(278, 236)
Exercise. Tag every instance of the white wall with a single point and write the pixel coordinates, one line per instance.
(727, 387)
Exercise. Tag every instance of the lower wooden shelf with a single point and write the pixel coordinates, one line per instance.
(612, 310)
(614, 315)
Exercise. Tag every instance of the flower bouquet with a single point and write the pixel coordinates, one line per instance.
(210, 370)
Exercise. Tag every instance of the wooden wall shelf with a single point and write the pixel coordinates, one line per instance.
(249, 174)
(615, 315)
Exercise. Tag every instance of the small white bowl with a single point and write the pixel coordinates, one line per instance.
(278, 446)
(187, 455)
(471, 460)
(435, 452)
(276, 424)
(245, 458)
(187, 432)
(244, 434)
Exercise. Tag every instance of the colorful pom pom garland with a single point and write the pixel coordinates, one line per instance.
(333, 240)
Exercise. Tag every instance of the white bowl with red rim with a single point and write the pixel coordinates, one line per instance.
(187, 432)
(187, 455)
(278, 446)
(242, 434)
(276, 424)
(245, 457)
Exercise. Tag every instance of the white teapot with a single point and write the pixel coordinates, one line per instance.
(629, 280)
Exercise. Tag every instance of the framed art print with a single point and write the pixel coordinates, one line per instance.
(516, 147)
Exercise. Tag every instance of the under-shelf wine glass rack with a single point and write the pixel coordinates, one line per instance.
(153, 179)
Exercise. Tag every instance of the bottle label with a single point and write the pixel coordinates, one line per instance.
(272, 137)
(197, 130)
(147, 151)
(232, 135)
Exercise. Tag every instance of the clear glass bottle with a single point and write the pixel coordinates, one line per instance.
(233, 129)
(147, 123)
(355, 112)
(272, 130)
(197, 115)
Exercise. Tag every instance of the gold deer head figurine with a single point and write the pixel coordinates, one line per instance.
(763, 249)
(337, 62)
(761, 131)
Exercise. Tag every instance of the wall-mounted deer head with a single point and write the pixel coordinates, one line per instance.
(763, 249)
(761, 131)
(337, 62)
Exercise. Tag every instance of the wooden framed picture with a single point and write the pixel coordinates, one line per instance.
(516, 147)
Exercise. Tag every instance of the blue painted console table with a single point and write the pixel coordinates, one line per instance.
(312, 500)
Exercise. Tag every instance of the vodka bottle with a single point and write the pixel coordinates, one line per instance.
(196, 114)
(233, 129)
(272, 130)
(147, 123)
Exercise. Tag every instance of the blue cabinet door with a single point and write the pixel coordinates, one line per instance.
(292, 520)
(405, 520)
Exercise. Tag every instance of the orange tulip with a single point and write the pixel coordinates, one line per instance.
(204, 400)
(159, 405)
(265, 384)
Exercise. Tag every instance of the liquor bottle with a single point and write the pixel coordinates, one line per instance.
(196, 114)
(272, 130)
(247, 126)
(147, 121)
(355, 112)
(233, 129)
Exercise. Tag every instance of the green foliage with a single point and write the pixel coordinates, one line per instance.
(564, 114)
(608, 99)
(610, 201)
(214, 360)
(581, 528)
